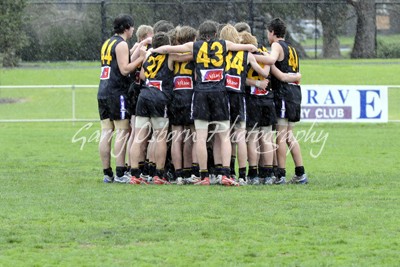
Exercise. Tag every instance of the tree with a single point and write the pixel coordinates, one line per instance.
(364, 43)
(12, 37)
(332, 17)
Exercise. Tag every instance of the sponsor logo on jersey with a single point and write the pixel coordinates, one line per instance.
(233, 82)
(105, 73)
(156, 84)
(258, 91)
(183, 82)
(214, 75)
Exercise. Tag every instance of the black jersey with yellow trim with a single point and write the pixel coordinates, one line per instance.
(236, 71)
(159, 77)
(209, 57)
(255, 91)
(112, 82)
(289, 63)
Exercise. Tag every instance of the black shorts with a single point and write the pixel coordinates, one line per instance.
(260, 112)
(210, 106)
(180, 115)
(118, 107)
(151, 108)
(133, 95)
(288, 110)
(104, 111)
(237, 106)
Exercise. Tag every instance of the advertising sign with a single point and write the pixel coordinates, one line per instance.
(344, 103)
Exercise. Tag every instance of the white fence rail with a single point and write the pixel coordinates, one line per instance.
(73, 102)
(73, 88)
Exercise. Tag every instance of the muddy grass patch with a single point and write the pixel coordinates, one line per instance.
(12, 100)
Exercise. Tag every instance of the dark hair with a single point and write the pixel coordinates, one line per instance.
(242, 27)
(163, 26)
(160, 39)
(186, 34)
(208, 30)
(122, 23)
(278, 26)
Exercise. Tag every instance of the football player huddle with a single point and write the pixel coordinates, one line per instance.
(199, 106)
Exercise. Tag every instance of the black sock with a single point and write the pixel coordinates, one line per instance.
(262, 172)
(196, 169)
(218, 169)
(108, 172)
(226, 171)
(120, 170)
(242, 172)
(299, 171)
(281, 172)
(146, 168)
(204, 174)
(152, 169)
(275, 170)
(179, 173)
(141, 166)
(135, 172)
(269, 171)
(253, 171)
(233, 162)
(187, 172)
(159, 173)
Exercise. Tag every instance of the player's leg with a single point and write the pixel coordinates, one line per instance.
(281, 139)
(107, 131)
(121, 138)
(160, 127)
(300, 177)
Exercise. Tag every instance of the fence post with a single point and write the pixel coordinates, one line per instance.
(73, 103)
(103, 21)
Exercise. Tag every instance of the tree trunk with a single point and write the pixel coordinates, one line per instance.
(332, 17)
(365, 39)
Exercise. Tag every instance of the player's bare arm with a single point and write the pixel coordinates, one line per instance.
(168, 49)
(122, 53)
(262, 71)
(230, 46)
(285, 77)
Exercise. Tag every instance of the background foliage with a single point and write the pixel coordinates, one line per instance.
(74, 30)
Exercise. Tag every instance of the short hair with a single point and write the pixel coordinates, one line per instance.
(186, 34)
(228, 32)
(172, 34)
(163, 26)
(242, 27)
(122, 22)
(248, 38)
(160, 39)
(143, 31)
(208, 30)
(278, 26)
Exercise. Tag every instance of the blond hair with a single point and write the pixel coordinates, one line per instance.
(229, 33)
(144, 31)
(248, 38)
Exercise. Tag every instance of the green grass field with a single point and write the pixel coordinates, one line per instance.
(57, 212)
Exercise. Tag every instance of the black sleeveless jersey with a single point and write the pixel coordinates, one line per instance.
(209, 57)
(112, 82)
(159, 78)
(235, 71)
(255, 91)
(289, 64)
(183, 82)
